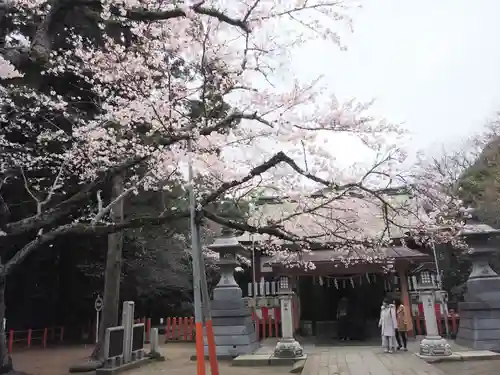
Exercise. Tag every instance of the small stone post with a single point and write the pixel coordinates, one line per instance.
(287, 346)
(155, 345)
(432, 345)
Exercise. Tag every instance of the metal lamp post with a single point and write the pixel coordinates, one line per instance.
(287, 346)
(432, 345)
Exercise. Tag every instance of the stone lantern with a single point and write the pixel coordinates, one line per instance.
(287, 347)
(432, 345)
(480, 312)
(234, 330)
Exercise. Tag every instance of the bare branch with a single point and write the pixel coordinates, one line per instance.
(103, 211)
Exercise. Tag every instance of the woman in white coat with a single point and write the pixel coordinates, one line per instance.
(388, 325)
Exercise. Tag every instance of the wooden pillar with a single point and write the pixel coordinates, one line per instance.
(405, 299)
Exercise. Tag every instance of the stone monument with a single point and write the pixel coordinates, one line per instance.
(234, 329)
(432, 345)
(287, 346)
(480, 312)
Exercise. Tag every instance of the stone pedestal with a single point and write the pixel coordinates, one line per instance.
(287, 346)
(480, 313)
(233, 326)
(433, 345)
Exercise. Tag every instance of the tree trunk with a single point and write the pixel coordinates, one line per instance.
(112, 275)
(5, 360)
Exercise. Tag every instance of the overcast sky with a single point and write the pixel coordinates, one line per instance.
(432, 64)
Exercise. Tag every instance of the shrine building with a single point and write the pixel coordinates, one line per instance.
(323, 275)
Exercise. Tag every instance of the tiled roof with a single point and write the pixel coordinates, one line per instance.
(396, 252)
(324, 220)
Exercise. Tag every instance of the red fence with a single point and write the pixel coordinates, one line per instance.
(453, 322)
(183, 328)
(34, 337)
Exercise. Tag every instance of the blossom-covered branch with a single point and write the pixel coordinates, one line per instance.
(119, 87)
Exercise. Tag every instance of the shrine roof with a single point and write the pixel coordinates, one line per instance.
(329, 255)
(322, 218)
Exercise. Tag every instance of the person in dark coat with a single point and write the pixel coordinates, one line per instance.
(343, 319)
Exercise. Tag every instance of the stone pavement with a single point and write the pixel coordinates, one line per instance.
(323, 360)
(366, 360)
(489, 367)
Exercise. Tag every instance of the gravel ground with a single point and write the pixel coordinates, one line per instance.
(57, 361)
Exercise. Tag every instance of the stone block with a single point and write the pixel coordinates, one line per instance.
(124, 367)
(298, 366)
(231, 321)
(252, 360)
(230, 313)
(227, 293)
(480, 314)
(237, 340)
(477, 355)
(229, 305)
(277, 361)
(232, 330)
(225, 351)
(487, 323)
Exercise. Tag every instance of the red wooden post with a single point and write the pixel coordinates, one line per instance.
(255, 318)
(29, 338)
(174, 328)
(168, 329)
(453, 316)
(186, 329)
(191, 325)
(179, 326)
(265, 317)
(44, 340)
(148, 329)
(418, 328)
(423, 325)
(270, 323)
(11, 340)
(61, 336)
(277, 320)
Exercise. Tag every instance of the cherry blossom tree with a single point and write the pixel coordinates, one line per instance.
(126, 93)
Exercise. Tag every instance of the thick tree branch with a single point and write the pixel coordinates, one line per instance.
(82, 229)
(149, 15)
(271, 230)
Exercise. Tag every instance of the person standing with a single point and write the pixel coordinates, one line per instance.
(388, 325)
(343, 319)
(402, 328)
